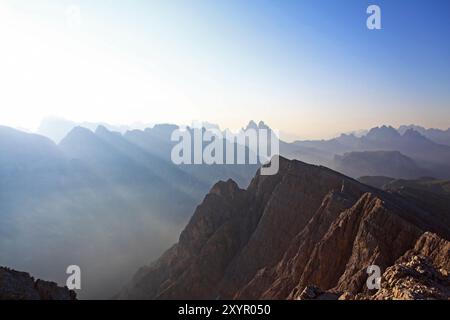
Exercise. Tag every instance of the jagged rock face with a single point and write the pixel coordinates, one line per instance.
(421, 273)
(15, 285)
(306, 226)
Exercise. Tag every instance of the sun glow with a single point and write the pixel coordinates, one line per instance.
(62, 72)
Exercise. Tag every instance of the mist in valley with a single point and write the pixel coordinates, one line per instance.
(96, 200)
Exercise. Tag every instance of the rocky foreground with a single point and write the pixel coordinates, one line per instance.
(306, 228)
(422, 273)
(15, 285)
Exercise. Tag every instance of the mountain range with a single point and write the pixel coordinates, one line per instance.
(430, 157)
(96, 198)
(429, 149)
(103, 197)
(436, 135)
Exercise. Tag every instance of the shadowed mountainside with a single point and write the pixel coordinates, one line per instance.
(15, 285)
(305, 226)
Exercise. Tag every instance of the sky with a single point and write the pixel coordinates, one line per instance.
(310, 68)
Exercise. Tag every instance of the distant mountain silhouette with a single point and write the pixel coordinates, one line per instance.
(429, 148)
(97, 198)
(427, 154)
(20, 148)
(378, 163)
(261, 125)
(435, 135)
(57, 128)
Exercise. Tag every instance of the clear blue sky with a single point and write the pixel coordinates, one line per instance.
(310, 68)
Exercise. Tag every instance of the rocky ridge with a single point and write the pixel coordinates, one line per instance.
(15, 285)
(307, 226)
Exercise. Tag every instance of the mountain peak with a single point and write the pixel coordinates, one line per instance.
(8, 134)
(404, 128)
(225, 189)
(77, 137)
(261, 125)
(82, 143)
(163, 127)
(412, 133)
(282, 234)
(251, 125)
(383, 133)
(80, 131)
(101, 129)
